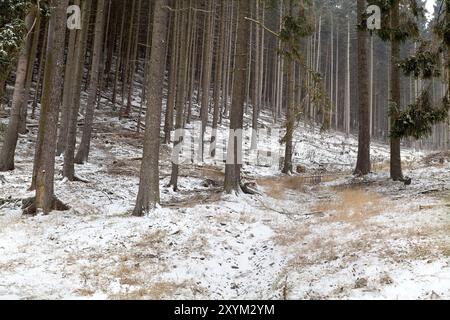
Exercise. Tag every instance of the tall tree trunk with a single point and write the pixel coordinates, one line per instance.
(363, 161)
(119, 60)
(146, 70)
(181, 97)
(12, 134)
(290, 116)
(256, 80)
(234, 152)
(30, 70)
(173, 74)
(218, 79)
(51, 100)
(128, 53)
(396, 161)
(371, 105)
(134, 57)
(79, 55)
(37, 90)
(67, 93)
(347, 85)
(193, 63)
(207, 70)
(83, 149)
(336, 98)
(148, 195)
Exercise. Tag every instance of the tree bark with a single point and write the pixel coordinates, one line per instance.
(80, 48)
(396, 161)
(83, 149)
(67, 93)
(12, 134)
(30, 70)
(148, 195)
(218, 80)
(363, 161)
(234, 152)
(206, 81)
(171, 93)
(51, 100)
(180, 96)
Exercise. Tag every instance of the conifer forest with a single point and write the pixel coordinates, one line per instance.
(224, 149)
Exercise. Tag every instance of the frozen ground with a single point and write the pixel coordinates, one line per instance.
(319, 235)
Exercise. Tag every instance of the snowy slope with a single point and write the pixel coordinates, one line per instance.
(301, 238)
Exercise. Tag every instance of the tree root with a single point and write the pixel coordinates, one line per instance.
(30, 209)
(249, 188)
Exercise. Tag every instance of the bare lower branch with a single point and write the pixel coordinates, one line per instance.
(263, 26)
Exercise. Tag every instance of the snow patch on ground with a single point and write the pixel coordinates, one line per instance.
(332, 237)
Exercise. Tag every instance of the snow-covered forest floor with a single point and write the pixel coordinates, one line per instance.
(323, 234)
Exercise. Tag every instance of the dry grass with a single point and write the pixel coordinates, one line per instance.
(318, 251)
(352, 206)
(247, 219)
(222, 219)
(149, 240)
(289, 235)
(198, 243)
(437, 159)
(277, 187)
(129, 168)
(85, 292)
(385, 166)
(194, 198)
(156, 291)
(426, 242)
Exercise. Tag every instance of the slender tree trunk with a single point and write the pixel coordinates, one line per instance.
(207, 71)
(396, 161)
(146, 70)
(173, 73)
(256, 80)
(148, 195)
(290, 116)
(30, 70)
(79, 58)
(234, 152)
(336, 99)
(181, 98)
(134, 57)
(193, 62)
(83, 149)
(119, 57)
(12, 134)
(51, 100)
(67, 93)
(347, 86)
(332, 71)
(128, 53)
(371, 106)
(37, 90)
(363, 162)
(218, 79)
